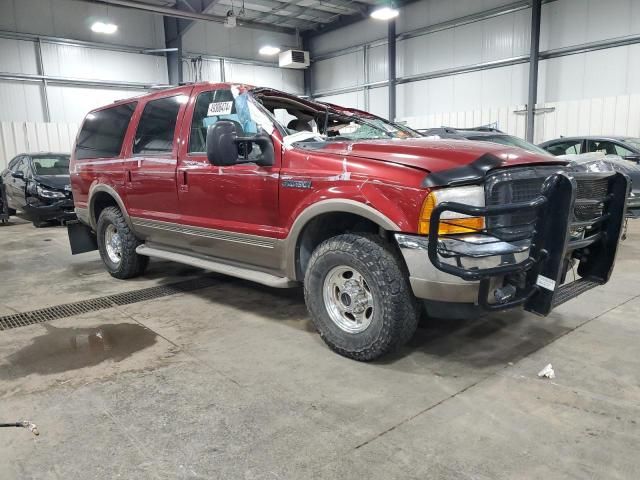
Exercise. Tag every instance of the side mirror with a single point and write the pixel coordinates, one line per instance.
(227, 145)
(19, 175)
(633, 157)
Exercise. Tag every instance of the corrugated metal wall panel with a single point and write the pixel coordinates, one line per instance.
(96, 64)
(18, 56)
(291, 81)
(70, 104)
(21, 137)
(379, 101)
(21, 101)
(572, 22)
(210, 71)
(366, 31)
(352, 100)
(72, 19)
(378, 63)
(337, 72)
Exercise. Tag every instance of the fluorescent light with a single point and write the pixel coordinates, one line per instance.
(384, 13)
(101, 27)
(269, 50)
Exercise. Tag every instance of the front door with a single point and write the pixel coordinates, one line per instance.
(16, 188)
(232, 210)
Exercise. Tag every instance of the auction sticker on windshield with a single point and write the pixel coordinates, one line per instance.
(219, 108)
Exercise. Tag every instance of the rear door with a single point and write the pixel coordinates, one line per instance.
(150, 174)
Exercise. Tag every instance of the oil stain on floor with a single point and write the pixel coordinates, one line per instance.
(63, 349)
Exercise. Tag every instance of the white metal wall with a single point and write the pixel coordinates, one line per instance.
(72, 19)
(564, 82)
(21, 137)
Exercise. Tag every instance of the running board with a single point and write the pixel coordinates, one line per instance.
(218, 267)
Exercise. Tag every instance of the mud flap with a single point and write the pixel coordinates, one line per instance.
(81, 238)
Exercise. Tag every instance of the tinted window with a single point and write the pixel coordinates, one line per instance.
(157, 126)
(565, 148)
(51, 164)
(103, 132)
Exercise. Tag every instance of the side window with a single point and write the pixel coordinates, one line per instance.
(13, 164)
(103, 132)
(565, 148)
(224, 104)
(157, 126)
(607, 147)
(23, 166)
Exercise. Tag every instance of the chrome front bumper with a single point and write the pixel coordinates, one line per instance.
(429, 283)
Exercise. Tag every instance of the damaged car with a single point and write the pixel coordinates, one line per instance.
(375, 221)
(38, 185)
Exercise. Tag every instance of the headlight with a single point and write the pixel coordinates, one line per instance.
(44, 193)
(452, 222)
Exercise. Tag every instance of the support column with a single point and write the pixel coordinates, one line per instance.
(536, 10)
(173, 28)
(391, 39)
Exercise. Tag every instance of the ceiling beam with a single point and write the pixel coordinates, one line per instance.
(186, 15)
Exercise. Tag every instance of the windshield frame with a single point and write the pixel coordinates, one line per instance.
(632, 142)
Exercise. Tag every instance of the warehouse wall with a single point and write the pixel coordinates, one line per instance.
(498, 92)
(239, 46)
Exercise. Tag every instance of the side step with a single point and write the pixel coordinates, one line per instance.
(571, 290)
(218, 267)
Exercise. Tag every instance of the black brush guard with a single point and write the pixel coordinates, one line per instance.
(538, 278)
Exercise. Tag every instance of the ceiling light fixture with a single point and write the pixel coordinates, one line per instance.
(101, 27)
(269, 50)
(384, 13)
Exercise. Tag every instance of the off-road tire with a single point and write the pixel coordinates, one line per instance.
(396, 311)
(131, 264)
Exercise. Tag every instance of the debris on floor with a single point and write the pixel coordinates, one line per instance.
(32, 427)
(547, 372)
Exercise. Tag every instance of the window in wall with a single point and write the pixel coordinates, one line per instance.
(103, 132)
(157, 126)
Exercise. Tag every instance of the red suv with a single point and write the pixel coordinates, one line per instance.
(376, 221)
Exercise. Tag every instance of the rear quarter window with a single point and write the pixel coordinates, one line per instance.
(103, 132)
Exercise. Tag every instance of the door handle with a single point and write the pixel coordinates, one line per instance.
(184, 187)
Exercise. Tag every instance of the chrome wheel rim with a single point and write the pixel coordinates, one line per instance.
(113, 243)
(348, 299)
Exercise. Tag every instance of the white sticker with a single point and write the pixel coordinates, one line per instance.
(219, 108)
(546, 283)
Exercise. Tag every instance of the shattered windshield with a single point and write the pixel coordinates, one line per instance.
(306, 120)
(633, 142)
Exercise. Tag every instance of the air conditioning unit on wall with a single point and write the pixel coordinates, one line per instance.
(294, 59)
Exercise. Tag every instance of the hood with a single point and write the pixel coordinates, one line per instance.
(53, 181)
(436, 155)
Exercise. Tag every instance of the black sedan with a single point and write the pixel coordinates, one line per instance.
(38, 185)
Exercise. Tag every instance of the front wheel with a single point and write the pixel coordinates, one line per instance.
(117, 245)
(359, 297)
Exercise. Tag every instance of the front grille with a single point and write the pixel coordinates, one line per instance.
(524, 184)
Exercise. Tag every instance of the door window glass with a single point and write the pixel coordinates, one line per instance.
(13, 164)
(227, 104)
(23, 166)
(103, 132)
(565, 148)
(607, 147)
(157, 125)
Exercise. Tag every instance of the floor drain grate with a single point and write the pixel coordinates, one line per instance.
(23, 319)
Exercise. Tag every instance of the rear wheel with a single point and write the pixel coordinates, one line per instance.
(359, 297)
(117, 245)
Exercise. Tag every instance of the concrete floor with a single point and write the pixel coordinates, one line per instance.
(231, 382)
